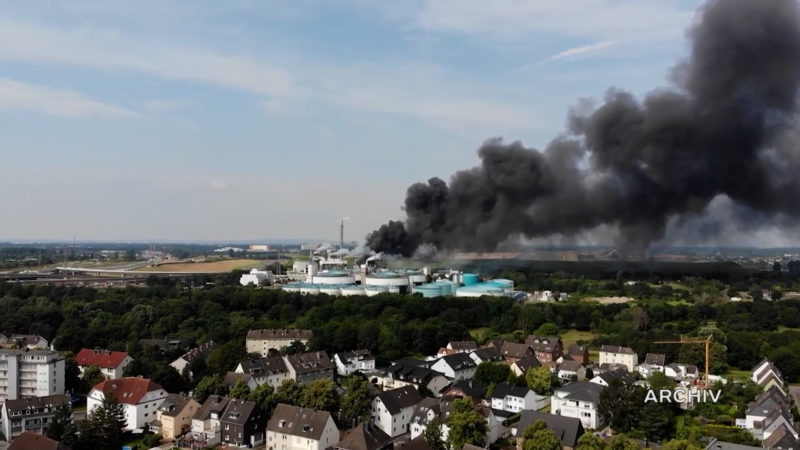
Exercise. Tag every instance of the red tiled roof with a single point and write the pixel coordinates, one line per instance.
(32, 441)
(101, 358)
(128, 390)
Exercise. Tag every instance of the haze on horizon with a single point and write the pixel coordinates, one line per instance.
(252, 120)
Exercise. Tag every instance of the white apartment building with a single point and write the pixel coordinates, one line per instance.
(262, 341)
(613, 354)
(294, 428)
(349, 362)
(30, 373)
(33, 414)
(139, 396)
(579, 400)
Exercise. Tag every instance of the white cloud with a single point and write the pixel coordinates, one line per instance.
(57, 102)
(108, 50)
(586, 49)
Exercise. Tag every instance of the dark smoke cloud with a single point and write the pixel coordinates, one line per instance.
(727, 128)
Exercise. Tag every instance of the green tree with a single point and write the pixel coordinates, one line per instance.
(680, 444)
(289, 392)
(240, 390)
(541, 380)
(103, 428)
(538, 437)
(357, 398)
(547, 329)
(433, 434)
(655, 420)
(467, 426)
(489, 373)
(620, 404)
(320, 395)
(62, 428)
(92, 376)
(591, 442)
(264, 397)
(622, 442)
(209, 385)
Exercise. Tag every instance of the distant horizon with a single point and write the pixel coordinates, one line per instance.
(299, 241)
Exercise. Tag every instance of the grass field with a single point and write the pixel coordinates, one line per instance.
(215, 267)
(569, 337)
(737, 374)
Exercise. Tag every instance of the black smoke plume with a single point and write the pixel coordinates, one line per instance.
(726, 128)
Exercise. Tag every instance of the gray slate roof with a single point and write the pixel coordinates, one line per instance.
(296, 421)
(397, 399)
(568, 429)
(584, 391)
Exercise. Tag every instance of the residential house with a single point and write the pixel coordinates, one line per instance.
(391, 410)
(681, 372)
(767, 413)
(458, 366)
(24, 341)
(571, 370)
(411, 372)
(578, 400)
(784, 438)
(766, 375)
(546, 348)
(262, 341)
(514, 399)
(605, 377)
(33, 441)
(462, 346)
(653, 362)
(112, 364)
(30, 373)
(579, 353)
(615, 354)
(424, 412)
(174, 416)
(522, 366)
(33, 414)
(486, 355)
(184, 361)
(243, 424)
(206, 422)
(272, 371)
(365, 436)
(567, 429)
(513, 352)
(465, 389)
(357, 360)
(231, 378)
(139, 397)
(293, 428)
(307, 367)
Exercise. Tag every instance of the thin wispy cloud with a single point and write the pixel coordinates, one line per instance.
(576, 52)
(16, 95)
(108, 50)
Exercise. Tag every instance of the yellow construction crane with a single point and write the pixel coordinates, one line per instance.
(706, 341)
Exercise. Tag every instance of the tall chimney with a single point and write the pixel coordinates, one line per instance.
(341, 235)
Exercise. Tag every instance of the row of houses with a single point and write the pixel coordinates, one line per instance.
(769, 417)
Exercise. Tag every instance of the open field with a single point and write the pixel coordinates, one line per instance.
(210, 267)
(737, 374)
(569, 337)
(608, 300)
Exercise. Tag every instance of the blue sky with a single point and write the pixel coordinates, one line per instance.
(274, 119)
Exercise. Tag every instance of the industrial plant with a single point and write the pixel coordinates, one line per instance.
(327, 272)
